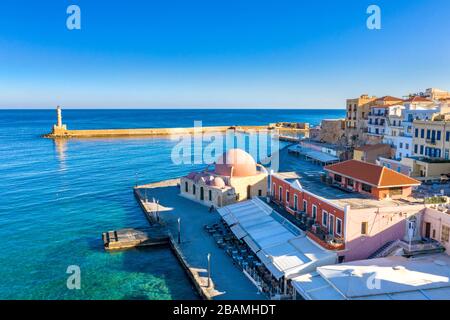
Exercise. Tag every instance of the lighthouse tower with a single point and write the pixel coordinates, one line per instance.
(59, 128)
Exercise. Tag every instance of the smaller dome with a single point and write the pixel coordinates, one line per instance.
(218, 182)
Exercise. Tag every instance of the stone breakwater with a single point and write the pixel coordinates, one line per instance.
(96, 133)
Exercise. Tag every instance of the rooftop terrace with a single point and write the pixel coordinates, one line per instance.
(309, 176)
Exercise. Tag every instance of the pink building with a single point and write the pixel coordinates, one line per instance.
(436, 225)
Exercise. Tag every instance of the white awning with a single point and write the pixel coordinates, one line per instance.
(238, 231)
(252, 244)
(282, 247)
(270, 266)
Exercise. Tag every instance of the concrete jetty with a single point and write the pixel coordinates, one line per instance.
(131, 238)
(60, 130)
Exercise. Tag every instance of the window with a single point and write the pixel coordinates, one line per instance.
(186, 187)
(295, 202)
(193, 189)
(445, 234)
(210, 195)
(364, 228)
(401, 145)
(416, 147)
(428, 134)
(337, 178)
(422, 133)
(421, 150)
(339, 226)
(314, 212)
(324, 218)
(273, 190)
(259, 192)
(280, 194)
(446, 154)
(396, 191)
(287, 195)
(438, 135)
(350, 182)
(366, 188)
(447, 136)
(407, 146)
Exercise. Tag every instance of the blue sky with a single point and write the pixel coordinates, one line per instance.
(218, 53)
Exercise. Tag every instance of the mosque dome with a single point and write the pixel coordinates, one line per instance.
(236, 162)
(218, 182)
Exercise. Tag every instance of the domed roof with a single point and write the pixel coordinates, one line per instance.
(218, 182)
(236, 162)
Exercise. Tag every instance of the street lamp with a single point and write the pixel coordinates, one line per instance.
(157, 210)
(209, 269)
(179, 230)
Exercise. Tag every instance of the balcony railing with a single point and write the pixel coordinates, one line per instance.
(326, 241)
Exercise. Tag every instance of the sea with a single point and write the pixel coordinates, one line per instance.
(57, 197)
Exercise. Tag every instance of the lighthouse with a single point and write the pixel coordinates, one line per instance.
(59, 117)
(59, 128)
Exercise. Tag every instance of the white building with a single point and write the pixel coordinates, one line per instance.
(399, 129)
(424, 277)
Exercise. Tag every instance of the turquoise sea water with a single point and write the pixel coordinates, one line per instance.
(57, 198)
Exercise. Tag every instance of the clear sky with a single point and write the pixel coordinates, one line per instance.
(219, 53)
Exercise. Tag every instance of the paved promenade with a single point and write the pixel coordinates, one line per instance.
(229, 281)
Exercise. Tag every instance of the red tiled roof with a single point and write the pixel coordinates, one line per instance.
(372, 174)
(369, 147)
(389, 98)
(418, 99)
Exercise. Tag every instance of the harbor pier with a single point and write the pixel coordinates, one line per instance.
(60, 130)
(226, 282)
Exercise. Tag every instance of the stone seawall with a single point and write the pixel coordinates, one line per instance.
(64, 133)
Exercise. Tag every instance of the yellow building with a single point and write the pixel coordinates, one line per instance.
(235, 177)
(431, 139)
(358, 111)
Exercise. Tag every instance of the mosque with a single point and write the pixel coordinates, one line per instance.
(235, 177)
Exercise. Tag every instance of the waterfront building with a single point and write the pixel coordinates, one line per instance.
(356, 119)
(234, 177)
(332, 131)
(380, 110)
(316, 149)
(354, 209)
(371, 152)
(423, 277)
(436, 94)
(399, 126)
(432, 137)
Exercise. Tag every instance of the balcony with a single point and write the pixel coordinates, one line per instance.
(431, 141)
(325, 240)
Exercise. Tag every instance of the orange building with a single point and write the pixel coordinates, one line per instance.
(379, 182)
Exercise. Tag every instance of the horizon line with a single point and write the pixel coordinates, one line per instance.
(169, 108)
